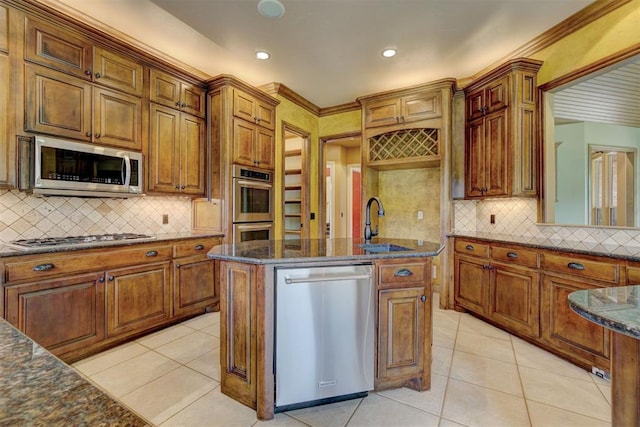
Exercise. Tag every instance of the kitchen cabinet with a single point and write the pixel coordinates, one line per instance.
(138, 298)
(72, 53)
(4, 29)
(63, 315)
(403, 109)
(7, 151)
(176, 93)
(501, 155)
(194, 281)
(254, 110)
(66, 106)
(253, 145)
(176, 159)
(404, 324)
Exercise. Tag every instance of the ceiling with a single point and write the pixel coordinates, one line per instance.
(328, 51)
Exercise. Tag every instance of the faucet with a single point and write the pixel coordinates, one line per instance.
(368, 234)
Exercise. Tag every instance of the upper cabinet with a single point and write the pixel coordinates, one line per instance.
(403, 109)
(175, 93)
(4, 29)
(7, 168)
(253, 110)
(65, 51)
(501, 155)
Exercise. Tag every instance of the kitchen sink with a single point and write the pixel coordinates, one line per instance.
(382, 247)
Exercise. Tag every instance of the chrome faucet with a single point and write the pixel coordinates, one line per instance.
(368, 234)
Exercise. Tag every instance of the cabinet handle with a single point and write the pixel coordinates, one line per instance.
(183, 187)
(487, 267)
(111, 278)
(177, 187)
(98, 75)
(512, 255)
(177, 265)
(97, 135)
(152, 253)
(199, 247)
(575, 266)
(183, 105)
(423, 298)
(44, 267)
(178, 104)
(469, 247)
(101, 280)
(87, 72)
(403, 272)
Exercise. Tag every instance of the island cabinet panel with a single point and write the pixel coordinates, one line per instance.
(138, 298)
(404, 324)
(238, 341)
(62, 315)
(515, 298)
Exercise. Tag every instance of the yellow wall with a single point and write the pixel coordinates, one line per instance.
(610, 34)
(340, 123)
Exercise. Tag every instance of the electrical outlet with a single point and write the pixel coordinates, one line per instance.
(600, 373)
(420, 215)
(492, 219)
(165, 218)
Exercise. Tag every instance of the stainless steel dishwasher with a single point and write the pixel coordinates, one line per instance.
(325, 331)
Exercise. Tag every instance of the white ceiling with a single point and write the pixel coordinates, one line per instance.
(328, 51)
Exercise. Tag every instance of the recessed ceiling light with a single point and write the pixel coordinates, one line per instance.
(271, 8)
(388, 53)
(261, 54)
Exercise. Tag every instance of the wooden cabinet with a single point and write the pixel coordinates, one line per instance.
(194, 281)
(176, 159)
(4, 29)
(138, 298)
(69, 107)
(175, 93)
(404, 324)
(253, 145)
(63, 315)
(403, 109)
(501, 155)
(252, 109)
(7, 151)
(69, 52)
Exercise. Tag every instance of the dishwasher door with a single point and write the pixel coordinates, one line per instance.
(325, 334)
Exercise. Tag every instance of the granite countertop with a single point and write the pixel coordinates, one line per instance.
(37, 388)
(630, 253)
(310, 250)
(614, 308)
(9, 251)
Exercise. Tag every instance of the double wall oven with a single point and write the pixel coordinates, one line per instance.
(252, 204)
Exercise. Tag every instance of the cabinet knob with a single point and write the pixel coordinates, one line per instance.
(87, 72)
(423, 298)
(98, 75)
(177, 187)
(88, 134)
(178, 104)
(101, 280)
(97, 135)
(44, 267)
(183, 105)
(402, 119)
(178, 265)
(111, 278)
(183, 187)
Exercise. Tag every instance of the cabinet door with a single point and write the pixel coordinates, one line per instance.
(496, 95)
(117, 71)
(238, 334)
(565, 330)
(193, 285)
(264, 148)
(474, 159)
(472, 284)
(192, 99)
(7, 168)
(165, 89)
(192, 154)
(401, 335)
(117, 119)
(62, 315)
(244, 140)
(57, 48)
(138, 298)
(421, 106)
(57, 104)
(382, 113)
(475, 104)
(4, 29)
(265, 115)
(164, 149)
(496, 155)
(515, 299)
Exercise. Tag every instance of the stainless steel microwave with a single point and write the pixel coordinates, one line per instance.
(68, 168)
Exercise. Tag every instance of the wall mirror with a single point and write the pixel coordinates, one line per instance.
(591, 134)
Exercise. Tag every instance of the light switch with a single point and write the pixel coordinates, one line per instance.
(420, 215)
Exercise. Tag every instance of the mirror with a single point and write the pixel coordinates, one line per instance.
(592, 143)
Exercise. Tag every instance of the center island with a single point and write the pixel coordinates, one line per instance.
(250, 273)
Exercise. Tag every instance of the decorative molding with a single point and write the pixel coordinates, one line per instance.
(280, 89)
(506, 67)
(231, 80)
(342, 108)
(449, 83)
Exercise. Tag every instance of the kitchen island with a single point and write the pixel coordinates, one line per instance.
(402, 276)
(617, 309)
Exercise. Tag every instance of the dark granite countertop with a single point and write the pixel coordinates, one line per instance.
(37, 388)
(312, 250)
(9, 251)
(630, 253)
(614, 308)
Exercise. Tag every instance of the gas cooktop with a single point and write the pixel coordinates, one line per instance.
(76, 240)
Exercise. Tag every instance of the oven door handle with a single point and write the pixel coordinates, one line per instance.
(257, 226)
(254, 184)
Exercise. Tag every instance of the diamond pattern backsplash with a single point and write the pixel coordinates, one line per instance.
(23, 216)
(518, 217)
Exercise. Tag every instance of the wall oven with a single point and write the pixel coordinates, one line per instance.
(252, 195)
(244, 232)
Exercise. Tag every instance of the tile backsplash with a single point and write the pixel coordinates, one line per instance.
(518, 217)
(24, 216)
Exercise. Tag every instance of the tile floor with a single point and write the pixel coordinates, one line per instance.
(481, 376)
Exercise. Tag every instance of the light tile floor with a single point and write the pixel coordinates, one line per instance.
(481, 376)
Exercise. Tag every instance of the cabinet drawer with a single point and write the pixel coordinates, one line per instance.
(515, 256)
(603, 271)
(401, 273)
(633, 275)
(472, 248)
(55, 265)
(195, 247)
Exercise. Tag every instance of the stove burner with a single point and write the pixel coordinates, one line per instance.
(77, 240)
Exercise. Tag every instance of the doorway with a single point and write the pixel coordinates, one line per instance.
(340, 190)
(296, 183)
(612, 186)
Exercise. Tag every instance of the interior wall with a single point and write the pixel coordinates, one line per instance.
(337, 155)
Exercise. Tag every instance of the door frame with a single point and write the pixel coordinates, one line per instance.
(305, 206)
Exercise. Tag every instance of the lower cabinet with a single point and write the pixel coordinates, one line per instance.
(62, 315)
(472, 293)
(138, 298)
